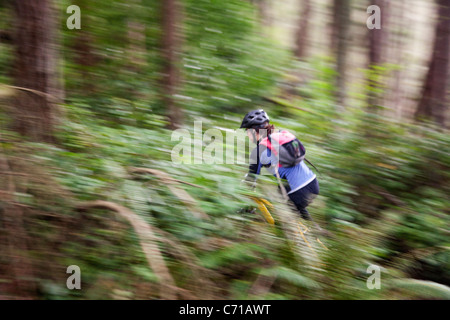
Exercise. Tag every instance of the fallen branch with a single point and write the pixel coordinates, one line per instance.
(148, 243)
(180, 193)
(37, 92)
(13, 173)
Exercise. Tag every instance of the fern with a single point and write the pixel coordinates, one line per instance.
(291, 276)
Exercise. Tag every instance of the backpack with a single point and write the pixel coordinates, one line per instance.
(289, 150)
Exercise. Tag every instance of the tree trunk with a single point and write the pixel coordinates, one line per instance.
(397, 93)
(85, 58)
(136, 45)
(170, 49)
(339, 44)
(35, 69)
(303, 31)
(433, 102)
(136, 50)
(376, 37)
(377, 43)
(13, 238)
(83, 49)
(264, 7)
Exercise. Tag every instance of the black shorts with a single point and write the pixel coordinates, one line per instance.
(304, 196)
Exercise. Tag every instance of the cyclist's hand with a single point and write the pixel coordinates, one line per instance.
(249, 181)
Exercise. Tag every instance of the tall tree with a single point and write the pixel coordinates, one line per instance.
(432, 104)
(136, 49)
(339, 45)
(398, 43)
(171, 46)
(303, 30)
(83, 50)
(35, 69)
(136, 43)
(377, 41)
(264, 8)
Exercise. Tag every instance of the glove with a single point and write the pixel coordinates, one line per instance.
(250, 180)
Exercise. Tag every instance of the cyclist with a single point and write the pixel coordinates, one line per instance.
(277, 152)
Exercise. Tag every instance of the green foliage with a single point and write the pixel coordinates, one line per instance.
(94, 155)
(228, 64)
(291, 276)
(384, 184)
